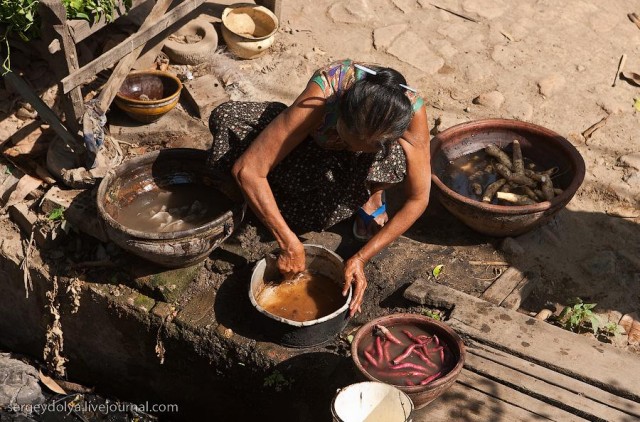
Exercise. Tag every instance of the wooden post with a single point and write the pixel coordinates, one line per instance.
(54, 26)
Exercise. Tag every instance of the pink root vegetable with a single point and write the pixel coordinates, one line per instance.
(433, 349)
(442, 356)
(408, 365)
(430, 378)
(385, 351)
(424, 358)
(396, 374)
(379, 350)
(387, 334)
(410, 336)
(436, 339)
(370, 359)
(405, 354)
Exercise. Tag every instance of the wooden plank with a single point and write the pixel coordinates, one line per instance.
(45, 113)
(534, 378)
(565, 401)
(599, 364)
(503, 285)
(81, 29)
(54, 17)
(521, 292)
(466, 401)
(74, 96)
(123, 68)
(516, 398)
(102, 62)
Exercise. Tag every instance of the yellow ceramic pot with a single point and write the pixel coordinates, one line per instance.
(248, 30)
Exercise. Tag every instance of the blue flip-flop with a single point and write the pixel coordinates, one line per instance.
(367, 219)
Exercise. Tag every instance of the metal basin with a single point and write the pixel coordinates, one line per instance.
(541, 145)
(161, 169)
(306, 333)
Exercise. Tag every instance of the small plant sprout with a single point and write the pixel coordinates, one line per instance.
(432, 314)
(579, 316)
(611, 329)
(56, 214)
(277, 381)
(437, 270)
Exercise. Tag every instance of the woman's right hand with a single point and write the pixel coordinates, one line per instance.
(292, 259)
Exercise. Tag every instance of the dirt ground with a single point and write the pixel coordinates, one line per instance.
(549, 63)
(544, 62)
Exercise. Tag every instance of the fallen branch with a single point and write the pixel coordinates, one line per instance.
(458, 14)
(623, 59)
(24, 266)
(587, 133)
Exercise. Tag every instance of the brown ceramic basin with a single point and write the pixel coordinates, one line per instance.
(541, 145)
(147, 95)
(153, 172)
(421, 395)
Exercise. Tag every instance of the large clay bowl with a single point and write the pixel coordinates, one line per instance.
(421, 395)
(148, 95)
(151, 172)
(541, 145)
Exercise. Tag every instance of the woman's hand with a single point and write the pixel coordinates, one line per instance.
(354, 275)
(291, 260)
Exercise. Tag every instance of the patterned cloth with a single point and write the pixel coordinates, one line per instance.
(318, 184)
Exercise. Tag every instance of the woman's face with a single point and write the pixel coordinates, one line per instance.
(355, 142)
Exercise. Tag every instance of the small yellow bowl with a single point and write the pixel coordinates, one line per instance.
(147, 95)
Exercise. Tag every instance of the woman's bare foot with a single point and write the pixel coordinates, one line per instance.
(373, 204)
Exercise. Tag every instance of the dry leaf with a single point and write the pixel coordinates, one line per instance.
(25, 185)
(51, 384)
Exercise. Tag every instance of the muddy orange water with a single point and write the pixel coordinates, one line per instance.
(173, 208)
(311, 296)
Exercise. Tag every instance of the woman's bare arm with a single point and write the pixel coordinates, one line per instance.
(415, 143)
(275, 142)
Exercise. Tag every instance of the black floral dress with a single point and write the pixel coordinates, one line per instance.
(319, 183)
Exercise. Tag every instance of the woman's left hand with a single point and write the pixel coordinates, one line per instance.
(354, 275)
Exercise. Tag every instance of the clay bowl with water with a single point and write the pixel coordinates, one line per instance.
(147, 95)
(200, 211)
(540, 145)
(306, 312)
(421, 395)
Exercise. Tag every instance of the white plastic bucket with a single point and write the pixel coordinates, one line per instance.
(371, 402)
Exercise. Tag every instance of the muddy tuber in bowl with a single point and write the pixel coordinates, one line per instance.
(541, 145)
(147, 95)
(421, 395)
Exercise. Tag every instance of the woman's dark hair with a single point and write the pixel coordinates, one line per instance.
(377, 106)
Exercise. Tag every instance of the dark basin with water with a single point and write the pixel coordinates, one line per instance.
(183, 240)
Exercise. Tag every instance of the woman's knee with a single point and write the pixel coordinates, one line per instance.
(220, 112)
